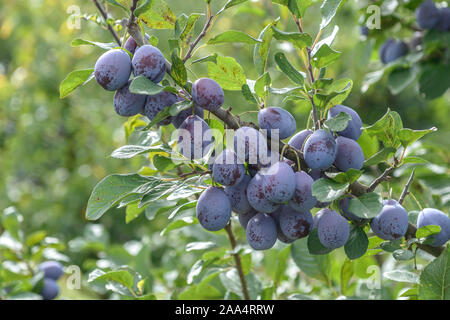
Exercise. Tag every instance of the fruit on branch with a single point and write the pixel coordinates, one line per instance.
(50, 289)
(256, 197)
(180, 117)
(280, 235)
(244, 218)
(261, 232)
(391, 50)
(213, 209)
(349, 154)
(131, 44)
(194, 138)
(294, 224)
(249, 144)
(343, 206)
(149, 61)
(333, 229)
(112, 69)
(238, 196)
(444, 19)
(52, 269)
(156, 103)
(392, 222)
(298, 140)
(302, 199)
(427, 15)
(207, 94)
(317, 217)
(275, 118)
(430, 216)
(320, 150)
(279, 183)
(354, 126)
(128, 104)
(227, 170)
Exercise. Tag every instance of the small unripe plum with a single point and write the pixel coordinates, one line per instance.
(50, 289)
(213, 209)
(279, 183)
(194, 138)
(244, 218)
(333, 229)
(392, 222)
(430, 216)
(238, 196)
(51, 269)
(354, 126)
(349, 154)
(427, 15)
(249, 144)
(156, 103)
(275, 118)
(256, 197)
(112, 70)
(261, 232)
(226, 170)
(294, 224)
(149, 61)
(343, 205)
(298, 140)
(320, 150)
(207, 94)
(128, 104)
(180, 117)
(303, 200)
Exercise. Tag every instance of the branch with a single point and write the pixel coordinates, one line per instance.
(237, 260)
(209, 19)
(105, 17)
(380, 179)
(405, 190)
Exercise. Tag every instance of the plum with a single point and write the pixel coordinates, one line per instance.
(444, 19)
(131, 44)
(256, 197)
(249, 143)
(320, 150)
(213, 209)
(354, 126)
(180, 117)
(364, 30)
(50, 289)
(298, 140)
(276, 217)
(156, 103)
(303, 200)
(276, 118)
(238, 196)
(349, 154)
(279, 183)
(244, 218)
(294, 224)
(343, 206)
(207, 94)
(112, 69)
(430, 216)
(128, 104)
(51, 269)
(333, 229)
(427, 15)
(391, 50)
(226, 170)
(149, 61)
(317, 217)
(392, 221)
(194, 138)
(261, 232)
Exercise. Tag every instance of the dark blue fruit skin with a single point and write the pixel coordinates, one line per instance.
(198, 135)
(317, 217)
(276, 217)
(180, 117)
(268, 159)
(302, 199)
(333, 229)
(256, 197)
(279, 183)
(213, 209)
(444, 19)
(430, 216)
(354, 126)
(128, 104)
(50, 289)
(238, 196)
(298, 140)
(226, 170)
(294, 224)
(156, 103)
(51, 269)
(249, 143)
(383, 48)
(349, 154)
(427, 15)
(364, 30)
(131, 44)
(392, 222)
(343, 205)
(275, 118)
(261, 232)
(149, 61)
(391, 50)
(320, 150)
(244, 218)
(112, 70)
(207, 94)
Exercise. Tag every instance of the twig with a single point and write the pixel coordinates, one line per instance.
(405, 190)
(206, 27)
(105, 17)
(237, 260)
(380, 179)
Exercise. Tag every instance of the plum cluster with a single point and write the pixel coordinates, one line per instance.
(52, 270)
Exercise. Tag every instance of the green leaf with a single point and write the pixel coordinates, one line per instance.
(162, 163)
(261, 51)
(338, 123)
(156, 14)
(328, 9)
(403, 255)
(434, 81)
(262, 85)
(366, 206)
(106, 46)
(248, 95)
(232, 3)
(130, 151)
(178, 224)
(435, 278)
(387, 129)
(346, 275)
(315, 266)
(324, 57)
(427, 231)
(409, 136)
(178, 73)
(163, 114)
(228, 73)
(381, 156)
(401, 78)
(299, 40)
(233, 36)
(357, 243)
(180, 106)
(142, 85)
(402, 276)
(231, 281)
(188, 30)
(200, 245)
(184, 206)
(326, 190)
(315, 247)
(211, 58)
(121, 276)
(338, 92)
(285, 66)
(74, 80)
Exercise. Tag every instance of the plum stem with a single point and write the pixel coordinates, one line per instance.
(105, 17)
(405, 191)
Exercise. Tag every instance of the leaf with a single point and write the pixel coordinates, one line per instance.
(178, 224)
(188, 30)
(298, 7)
(366, 206)
(328, 9)
(299, 40)
(163, 114)
(156, 14)
(409, 136)
(402, 276)
(381, 156)
(234, 37)
(285, 66)
(142, 85)
(106, 46)
(435, 278)
(346, 275)
(427, 231)
(178, 71)
(357, 243)
(130, 151)
(121, 276)
(262, 85)
(228, 73)
(326, 190)
(176, 108)
(387, 129)
(211, 58)
(231, 281)
(338, 123)
(434, 81)
(315, 247)
(232, 3)
(184, 206)
(401, 78)
(74, 80)
(315, 266)
(261, 51)
(248, 95)
(205, 245)
(403, 255)
(338, 92)
(324, 57)
(327, 40)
